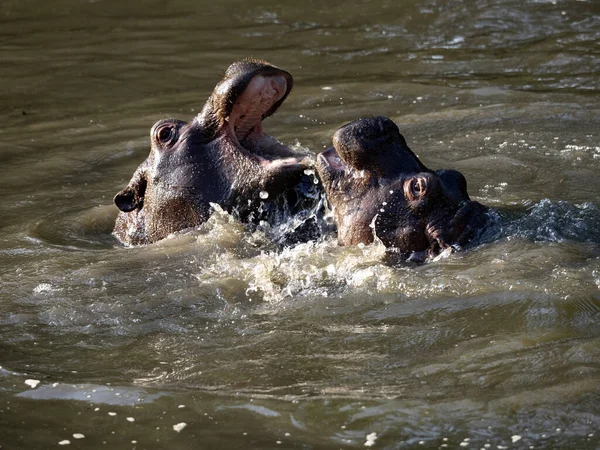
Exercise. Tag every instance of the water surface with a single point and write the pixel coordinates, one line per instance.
(215, 338)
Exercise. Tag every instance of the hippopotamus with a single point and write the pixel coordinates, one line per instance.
(221, 157)
(377, 187)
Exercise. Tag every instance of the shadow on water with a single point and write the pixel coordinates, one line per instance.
(88, 229)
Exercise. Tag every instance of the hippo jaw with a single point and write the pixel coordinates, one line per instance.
(377, 186)
(251, 91)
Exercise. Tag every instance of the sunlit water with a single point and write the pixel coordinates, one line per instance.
(219, 338)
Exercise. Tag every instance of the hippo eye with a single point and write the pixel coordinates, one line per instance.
(165, 133)
(415, 188)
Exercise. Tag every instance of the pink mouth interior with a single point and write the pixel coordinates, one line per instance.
(332, 159)
(259, 96)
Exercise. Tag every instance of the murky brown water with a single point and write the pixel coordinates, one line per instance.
(316, 346)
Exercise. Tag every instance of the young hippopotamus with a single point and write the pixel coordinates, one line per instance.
(222, 156)
(377, 186)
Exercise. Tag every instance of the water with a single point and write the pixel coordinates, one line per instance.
(315, 346)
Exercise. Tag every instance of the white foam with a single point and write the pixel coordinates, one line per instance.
(44, 287)
(32, 383)
(179, 426)
(371, 438)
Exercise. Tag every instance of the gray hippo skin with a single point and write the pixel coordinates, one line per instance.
(376, 185)
(222, 156)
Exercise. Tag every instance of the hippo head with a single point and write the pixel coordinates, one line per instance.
(377, 186)
(222, 156)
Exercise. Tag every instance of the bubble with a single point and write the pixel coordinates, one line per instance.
(263, 195)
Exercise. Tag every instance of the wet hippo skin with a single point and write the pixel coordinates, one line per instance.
(377, 186)
(222, 156)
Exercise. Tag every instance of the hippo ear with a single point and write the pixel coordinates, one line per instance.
(132, 197)
(455, 184)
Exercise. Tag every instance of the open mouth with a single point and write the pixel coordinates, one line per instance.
(245, 100)
(261, 94)
(331, 160)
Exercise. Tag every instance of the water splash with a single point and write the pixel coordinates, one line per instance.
(548, 221)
